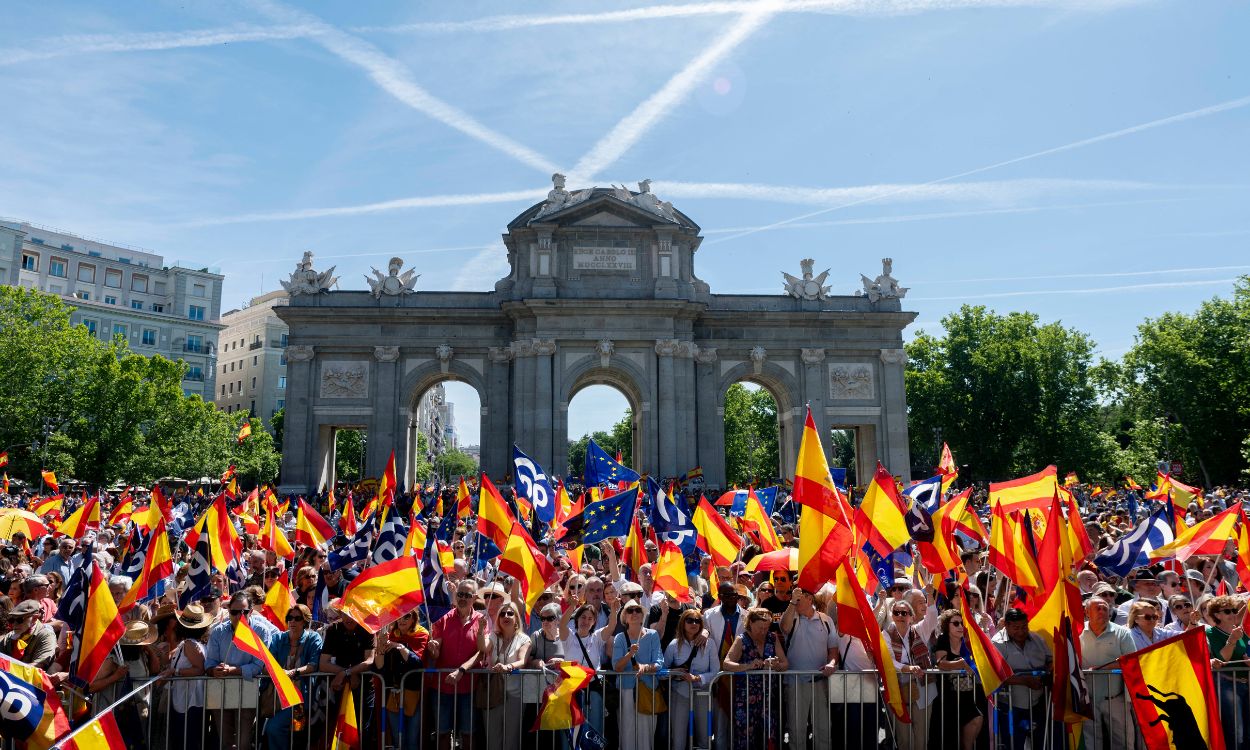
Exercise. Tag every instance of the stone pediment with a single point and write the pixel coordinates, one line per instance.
(604, 219)
(602, 207)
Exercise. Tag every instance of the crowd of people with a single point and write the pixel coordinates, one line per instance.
(753, 660)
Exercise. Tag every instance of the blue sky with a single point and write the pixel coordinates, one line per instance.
(1085, 160)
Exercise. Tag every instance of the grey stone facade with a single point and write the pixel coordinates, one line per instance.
(602, 289)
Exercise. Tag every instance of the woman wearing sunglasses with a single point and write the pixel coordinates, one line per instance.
(507, 650)
(693, 668)
(1228, 644)
(299, 650)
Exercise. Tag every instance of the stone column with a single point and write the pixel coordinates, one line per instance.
(543, 404)
(495, 424)
(685, 429)
(384, 428)
(894, 413)
(815, 389)
(666, 350)
(300, 439)
(710, 447)
(522, 395)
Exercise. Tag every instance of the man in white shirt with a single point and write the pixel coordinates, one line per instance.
(811, 643)
(723, 624)
(1102, 643)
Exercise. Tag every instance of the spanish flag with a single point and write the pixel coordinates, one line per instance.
(245, 431)
(347, 521)
(987, 663)
(494, 519)
(248, 642)
(278, 600)
(102, 627)
(1173, 693)
(4, 459)
(272, 538)
(310, 528)
(755, 519)
(1008, 552)
(49, 478)
(387, 487)
(384, 593)
(1070, 479)
(825, 533)
(48, 506)
(670, 573)
(101, 734)
(560, 710)
(856, 618)
(635, 555)
(463, 505)
(1184, 494)
(1205, 538)
(415, 543)
(523, 561)
(716, 537)
(121, 514)
(947, 467)
(879, 519)
(158, 564)
(942, 554)
(1033, 491)
(1129, 483)
(346, 728)
(86, 517)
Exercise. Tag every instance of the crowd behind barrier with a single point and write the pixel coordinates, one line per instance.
(755, 661)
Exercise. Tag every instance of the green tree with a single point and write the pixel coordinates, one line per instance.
(455, 463)
(1009, 394)
(751, 450)
(278, 423)
(1192, 373)
(349, 454)
(619, 439)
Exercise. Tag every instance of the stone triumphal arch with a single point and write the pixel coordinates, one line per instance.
(602, 290)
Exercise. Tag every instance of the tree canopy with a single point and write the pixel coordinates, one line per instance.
(111, 414)
(751, 450)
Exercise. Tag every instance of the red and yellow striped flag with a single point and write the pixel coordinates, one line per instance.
(384, 593)
(716, 537)
(49, 478)
(1171, 687)
(1033, 491)
(102, 627)
(942, 554)
(755, 519)
(825, 532)
(245, 431)
(1205, 538)
(278, 600)
(525, 562)
(464, 506)
(670, 573)
(988, 663)
(494, 519)
(560, 710)
(121, 514)
(879, 519)
(86, 517)
(48, 506)
(248, 642)
(158, 563)
(346, 728)
(1007, 550)
(101, 734)
(856, 618)
(310, 528)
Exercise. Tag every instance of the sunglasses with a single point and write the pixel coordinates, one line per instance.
(295, 619)
(693, 621)
(576, 587)
(1225, 611)
(902, 613)
(957, 623)
(765, 591)
(631, 596)
(508, 615)
(1148, 618)
(239, 612)
(1186, 605)
(633, 611)
(463, 595)
(899, 588)
(549, 618)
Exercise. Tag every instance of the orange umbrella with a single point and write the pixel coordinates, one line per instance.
(782, 559)
(13, 520)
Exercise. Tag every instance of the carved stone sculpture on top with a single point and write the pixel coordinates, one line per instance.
(884, 286)
(809, 287)
(305, 280)
(558, 197)
(395, 283)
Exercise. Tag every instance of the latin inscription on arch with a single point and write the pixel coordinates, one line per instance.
(605, 259)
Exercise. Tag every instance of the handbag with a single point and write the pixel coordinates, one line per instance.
(647, 700)
(488, 690)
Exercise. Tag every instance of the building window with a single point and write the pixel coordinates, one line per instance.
(199, 290)
(253, 411)
(253, 382)
(112, 278)
(282, 360)
(232, 388)
(85, 296)
(195, 343)
(109, 300)
(139, 283)
(30, 262)
(282, 340)
(86, 273)
(136, 304)
(195, 312)
(281, 403)
(254, 360)
(56, 267)
(159, 287)
(158, 307)
(119, 329)
(223, 390)
(194, 372)
(149, 337)
(91, 325)
(240, 386)
(281, 381)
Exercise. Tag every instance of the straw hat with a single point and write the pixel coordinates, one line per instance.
(138, 633)
(194, 617)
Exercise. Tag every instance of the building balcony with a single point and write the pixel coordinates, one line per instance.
(255, 345)
(197, 377)
(196, 348)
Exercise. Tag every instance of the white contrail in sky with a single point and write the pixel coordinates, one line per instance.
(1182, 117)
(1099, 290)
(990, 191)
(429, 201)
(395, 79)
(631, 128)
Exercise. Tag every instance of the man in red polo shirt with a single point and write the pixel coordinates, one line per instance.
(457, 641)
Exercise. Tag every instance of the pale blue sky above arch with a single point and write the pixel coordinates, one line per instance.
(1086, 160)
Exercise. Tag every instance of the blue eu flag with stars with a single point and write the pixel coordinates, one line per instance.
(609, 517)
(602, 468)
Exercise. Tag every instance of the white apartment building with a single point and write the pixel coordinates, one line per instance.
(117, 290)
(251, 362)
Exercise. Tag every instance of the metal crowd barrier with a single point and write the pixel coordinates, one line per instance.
(735, 711)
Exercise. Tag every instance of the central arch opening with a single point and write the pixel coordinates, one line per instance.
(444, 434)
(602, 412)
(752, 435)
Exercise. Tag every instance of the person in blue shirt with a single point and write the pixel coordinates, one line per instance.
(298, 650)
(224, 659)
(636, 650)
